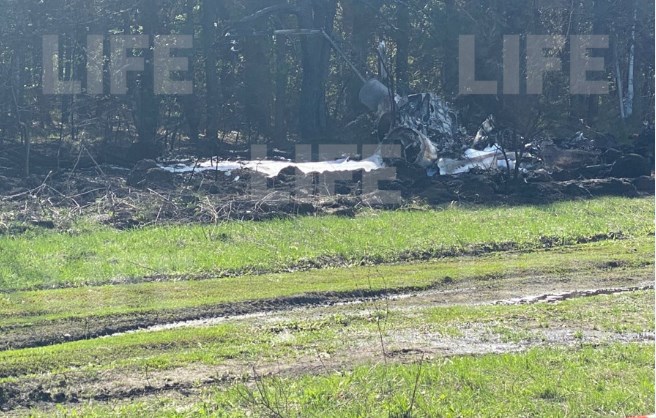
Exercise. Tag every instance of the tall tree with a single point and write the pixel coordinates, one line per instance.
(402, 39)
(147, 109)
(317, 15)
(258, 92)
(359, 21)
(450, 67)
(282, 85)
(209, 16)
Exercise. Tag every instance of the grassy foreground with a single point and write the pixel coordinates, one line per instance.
(94, 254)
(609, 381)
(410, 356)
(30, 307)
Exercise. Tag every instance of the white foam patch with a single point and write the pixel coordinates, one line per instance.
(272, 168)
(489, 158)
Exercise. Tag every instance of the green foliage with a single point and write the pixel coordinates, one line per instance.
(100, 255)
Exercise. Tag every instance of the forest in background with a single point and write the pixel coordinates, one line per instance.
(253, 87)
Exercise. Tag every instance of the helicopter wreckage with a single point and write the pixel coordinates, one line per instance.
(426, 127)
(423, 125)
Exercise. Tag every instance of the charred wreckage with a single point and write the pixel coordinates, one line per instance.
(427, 128)
(423, 124)
(431, 139)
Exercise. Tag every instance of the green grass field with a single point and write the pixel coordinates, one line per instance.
(91, 254)
(399, 314)
(31, 306)
(592, 382)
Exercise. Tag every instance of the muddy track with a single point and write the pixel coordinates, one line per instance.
(421, 296)
(401, 346)
(113, 386)
(324, 262)
(75, 329)
(558, 297)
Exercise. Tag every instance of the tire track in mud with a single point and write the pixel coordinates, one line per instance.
(75, 329)
(402, 346)
(561, 296)
(543, 298)
(45, 391)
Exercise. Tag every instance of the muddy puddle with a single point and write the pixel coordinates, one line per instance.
(398, 299)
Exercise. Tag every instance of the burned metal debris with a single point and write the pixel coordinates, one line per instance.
(427, 129)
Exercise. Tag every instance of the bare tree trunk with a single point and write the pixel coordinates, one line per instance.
(282, 80)
(189, 103)
(630, 93)
(450, 77)
(402, 47)
(147, 112)
(599, 27)
(360, 22)
(209, 15)
(17, 97)
(315, 14)
(258, 96)
(620, 89)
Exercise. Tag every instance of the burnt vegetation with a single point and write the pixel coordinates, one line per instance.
(282, 73)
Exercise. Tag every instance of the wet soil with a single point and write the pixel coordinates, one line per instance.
(400, 346)
(475, 290)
